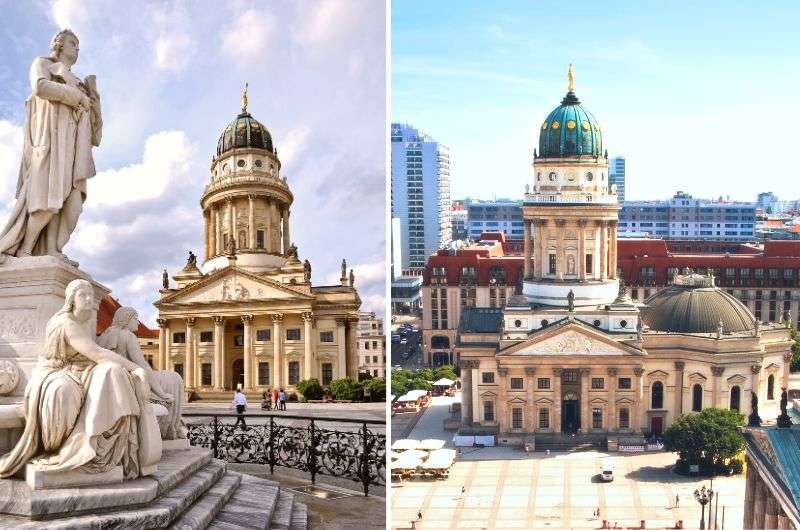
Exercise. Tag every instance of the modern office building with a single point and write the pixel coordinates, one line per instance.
(502, 215)
(684, 217)
(420, 194)
(396, 248)
(458, 220)
(616, 175)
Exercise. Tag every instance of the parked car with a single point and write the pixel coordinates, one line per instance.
(404, 341)
(395, 339)
(607, 474)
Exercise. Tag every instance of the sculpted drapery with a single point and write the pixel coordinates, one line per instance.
(86, 408)
(62, 123)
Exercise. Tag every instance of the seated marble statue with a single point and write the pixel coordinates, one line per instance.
(166, 387)
(86, 408)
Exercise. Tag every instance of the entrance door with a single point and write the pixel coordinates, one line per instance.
(656, 425)
(238, 373)
(570, 413)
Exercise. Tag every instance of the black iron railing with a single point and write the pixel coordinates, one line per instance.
(358, 454)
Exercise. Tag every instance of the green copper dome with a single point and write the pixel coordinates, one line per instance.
(244, 131)
(569, 131)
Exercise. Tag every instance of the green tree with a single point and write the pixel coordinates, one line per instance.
(347, 389)
(708, 439)
(311, 389)
(446, 371)
(405, 380)
(794, 364)
(376, 387)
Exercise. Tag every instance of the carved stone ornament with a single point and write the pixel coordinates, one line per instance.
(218, 320)
(612, 371)
(162, 323)
(530, 370)
(558, 371)
(9, 377)
(584, 371)
(469, 363)
(717, 370)
(638, 371)
(755, 368)
(679, 365)
(502, 372)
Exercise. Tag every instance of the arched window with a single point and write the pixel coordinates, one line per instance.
(771, 387)
(735, 395)
(697, 398)
(657, 395)
(440, 342)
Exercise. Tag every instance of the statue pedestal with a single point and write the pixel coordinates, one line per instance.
(39, 479)
(31, 291)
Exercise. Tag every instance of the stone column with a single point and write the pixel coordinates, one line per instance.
(163, 342)
(612, 269)
(529, 418)
(716, 372)
(206, 233)
(787, 358)
(526, 247)
(582, 249)
(275, 232)
(247, 320)
(308, 371)
(352, 347)
(612, 397)
(679, 367)
(545, 259)
(749, 494)
(466, 392)
(561, 258)
(755, 370)
(218, 243)
(638, 372)
(231, 223)
(189, 360)
(277, 340)
(219, 350)
(341, 359)
(603, 250)
(585, 417)
(251, 221)
(501, 405)
(555, 421)
(287, 242)
(268, 226)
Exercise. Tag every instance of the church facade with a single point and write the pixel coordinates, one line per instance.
(572, 353)
(248, 316)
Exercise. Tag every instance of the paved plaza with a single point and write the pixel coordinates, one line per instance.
(506, 488)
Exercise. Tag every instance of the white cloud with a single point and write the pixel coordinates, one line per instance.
(326, 22)
(10, 154)
(293, 144)
(248, 37)
(70, 14)
(167, 157)
(375, 303)
(91, 238)
(173, 50)
(370, 272)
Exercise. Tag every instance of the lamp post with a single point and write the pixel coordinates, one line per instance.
(703, 496)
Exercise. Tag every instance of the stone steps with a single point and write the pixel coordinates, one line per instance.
(203, 511)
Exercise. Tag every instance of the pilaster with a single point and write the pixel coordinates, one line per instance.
(277, 341)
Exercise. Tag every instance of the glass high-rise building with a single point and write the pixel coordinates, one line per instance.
(616, 175)
(420, 193)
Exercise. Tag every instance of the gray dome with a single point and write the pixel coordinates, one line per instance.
(687, 308)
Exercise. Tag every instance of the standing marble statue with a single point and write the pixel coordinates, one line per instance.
(166, 387)
(85, 407)
(62, 123)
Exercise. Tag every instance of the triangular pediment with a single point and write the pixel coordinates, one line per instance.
(570, 338)
(737, 379)
(517, 400)
(233, 284)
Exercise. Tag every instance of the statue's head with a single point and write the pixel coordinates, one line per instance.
(64, 46)
(79, 299)
(126, 318)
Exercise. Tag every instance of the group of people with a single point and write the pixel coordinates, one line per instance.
(273, 401)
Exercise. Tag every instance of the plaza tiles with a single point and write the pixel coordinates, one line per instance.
(559, 491)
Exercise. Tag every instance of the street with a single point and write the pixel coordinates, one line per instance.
(408, 355)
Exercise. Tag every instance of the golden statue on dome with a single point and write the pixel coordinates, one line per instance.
(570, 79)
(244, 98)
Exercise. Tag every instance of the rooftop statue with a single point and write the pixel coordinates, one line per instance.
(570, 79)
(62, 123)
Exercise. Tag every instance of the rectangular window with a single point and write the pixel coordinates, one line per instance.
(326, 336)
(624, 419)
(375, 359)
(179, 369)
(597, 418)
(366, 344)
(570, 376)
(516, 383)
(544, 418)
(263, 335)
(516, 418)
(543, 383)
(205, 374)
(294, 372)
(552, 263)
(259, 239)
(238, 340)
(327, 373)
(293, 334)
(206, 336)
(374, 344)
(589, 262)
(487, 378)
(179, 337)
(263, 374)
(488, 411)
(597, 383)
(625, 383)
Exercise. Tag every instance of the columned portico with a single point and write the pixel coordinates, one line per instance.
(277, 320)
(247, 322)
(189, 359)
(219, 351)
(308, 360)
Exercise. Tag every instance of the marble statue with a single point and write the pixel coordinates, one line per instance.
(191, 261)
(62, 124)
(344, 269)
(306, 271)
(571, 301)
(165, 279)
(352, 278)
(86, 408)
(166, 387)
(231, 247)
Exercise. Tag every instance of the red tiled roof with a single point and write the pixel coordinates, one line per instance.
(105, 314)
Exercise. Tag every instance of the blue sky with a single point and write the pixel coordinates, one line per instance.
(170, 76)
(699, 97)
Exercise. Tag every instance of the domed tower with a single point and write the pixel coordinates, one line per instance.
(246, 202)
(571, 213)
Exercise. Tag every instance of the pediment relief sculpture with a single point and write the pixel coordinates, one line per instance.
(570, 342)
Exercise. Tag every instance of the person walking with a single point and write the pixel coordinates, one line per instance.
(275, 400)
(677, 501)
(265, 402)
(240, 402)
(282, 398)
